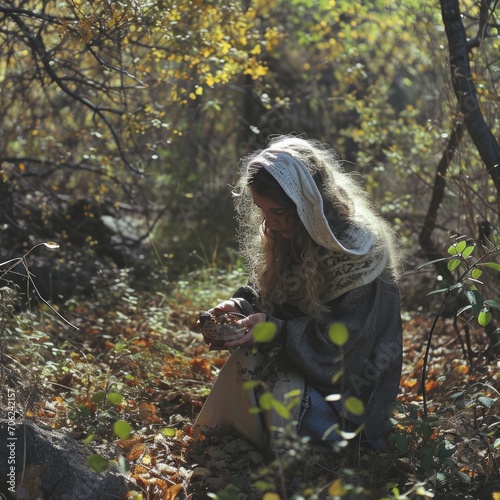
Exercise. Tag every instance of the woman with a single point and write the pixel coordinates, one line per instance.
(317, 254)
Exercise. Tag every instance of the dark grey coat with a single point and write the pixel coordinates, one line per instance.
(371, 359)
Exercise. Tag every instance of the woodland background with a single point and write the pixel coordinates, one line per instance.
(122, 124)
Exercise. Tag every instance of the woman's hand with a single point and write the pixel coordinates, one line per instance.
(227, 306)
(248, 323)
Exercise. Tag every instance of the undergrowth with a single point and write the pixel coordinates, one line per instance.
(125, 373)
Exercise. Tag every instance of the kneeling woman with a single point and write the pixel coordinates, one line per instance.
(317, 253)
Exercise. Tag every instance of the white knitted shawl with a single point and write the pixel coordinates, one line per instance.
(348, 260)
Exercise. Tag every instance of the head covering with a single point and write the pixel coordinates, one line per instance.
(297, 182)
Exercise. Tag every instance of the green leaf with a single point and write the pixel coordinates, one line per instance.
(402, 442)
(251, 384)
(453, 264)
(467, 251)
(338, 333)
(475, 300)
(484, 317)
(98, 397)
(293, 394)
(89, 439)
(457, 395)
(426, 455)
(495, 303)
(119, 346)
(169, 432)
(110, 413)
(421, 491)
(84, 410)
(122, 429)
(354, 405)
(476, 273)
(264, 332)
(337, 376)
(426, 430)
(488, 402)
(115, 398)
(492, 265)
(97, 463)
(461, 245)
(452, 250)
(280, 409)
(265, 401)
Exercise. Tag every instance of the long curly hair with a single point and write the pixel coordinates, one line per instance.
(289, 270)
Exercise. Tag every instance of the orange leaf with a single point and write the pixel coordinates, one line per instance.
(431, 385)
(147, 413)
(173, 491)
(136, 452)
(410, 383)
(127, 444)
(201, 365)
(139, 469)
(142, 342)
(461, 369)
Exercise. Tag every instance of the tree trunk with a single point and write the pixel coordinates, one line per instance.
(465, 90)
(425, 239)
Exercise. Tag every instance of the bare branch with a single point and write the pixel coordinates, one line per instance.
(465, 90)
(35, 42)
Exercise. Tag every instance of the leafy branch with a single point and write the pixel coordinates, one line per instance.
(461, 256)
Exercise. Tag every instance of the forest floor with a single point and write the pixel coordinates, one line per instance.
(140, 361)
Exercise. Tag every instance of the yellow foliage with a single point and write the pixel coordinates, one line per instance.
(273, 38)
(263, 6)
(271, 496)
(256, 50)
(255, 69)
(224, 47)
(336, 489)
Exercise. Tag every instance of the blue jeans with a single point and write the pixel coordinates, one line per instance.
(318, 417)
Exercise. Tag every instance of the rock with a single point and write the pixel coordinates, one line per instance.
(54, 466)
